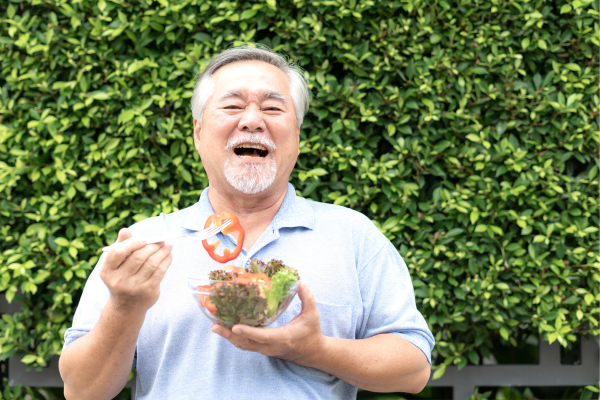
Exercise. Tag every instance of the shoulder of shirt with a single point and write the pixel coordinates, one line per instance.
(337, 211)
(344, 216)
(355, 226)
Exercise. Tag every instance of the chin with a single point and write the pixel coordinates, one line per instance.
(251, 178)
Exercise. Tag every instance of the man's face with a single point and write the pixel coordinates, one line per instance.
(248, 139)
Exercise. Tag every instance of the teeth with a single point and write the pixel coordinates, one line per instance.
(251, 146)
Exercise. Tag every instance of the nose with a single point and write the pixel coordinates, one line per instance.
(252, 120)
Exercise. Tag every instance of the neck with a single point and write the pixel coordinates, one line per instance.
(255, 212)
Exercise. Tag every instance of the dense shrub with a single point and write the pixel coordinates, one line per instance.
(467, 131)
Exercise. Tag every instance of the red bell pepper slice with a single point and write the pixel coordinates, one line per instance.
(217, 220)
(205, 299)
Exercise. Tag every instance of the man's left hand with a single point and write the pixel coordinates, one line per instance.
(299, 341)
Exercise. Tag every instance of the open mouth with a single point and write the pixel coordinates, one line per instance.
(251, 151)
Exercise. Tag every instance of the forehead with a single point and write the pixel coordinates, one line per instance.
(250, 77)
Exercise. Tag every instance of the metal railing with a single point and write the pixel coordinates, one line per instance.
(548, 372)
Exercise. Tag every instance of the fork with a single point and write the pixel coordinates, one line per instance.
(201, 235)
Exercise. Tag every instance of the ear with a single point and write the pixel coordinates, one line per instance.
(298, 135)
(197, 130)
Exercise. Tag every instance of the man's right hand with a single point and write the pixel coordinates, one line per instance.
(133, 271)
(97, 365)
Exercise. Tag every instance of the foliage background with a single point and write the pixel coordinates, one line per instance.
(466, 130)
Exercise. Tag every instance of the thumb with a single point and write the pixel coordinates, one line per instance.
(124, 234)
(307, 298)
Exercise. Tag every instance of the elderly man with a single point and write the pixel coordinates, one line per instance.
(357, 325)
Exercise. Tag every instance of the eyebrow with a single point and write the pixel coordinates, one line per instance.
(271, 94)
(274, 94)
(231, 93)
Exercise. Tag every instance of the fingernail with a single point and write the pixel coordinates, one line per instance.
(237, 331)
(143, 241)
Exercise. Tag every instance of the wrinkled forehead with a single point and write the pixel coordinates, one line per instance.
(246, 78)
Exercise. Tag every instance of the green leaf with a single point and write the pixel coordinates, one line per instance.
(126, 116)
(589, 298)
(99, 95)
(107, 202)
(542, 44)
(480, 228)
(474, 138)
(573, 67)
(246, 14)
(10, 11)
(439, 372)
(539, 238)
(185, 174)
(201, 37)
(531, 250)
(565, 8)
(391, 129)
(139, 217)
(504, 333)
(473, 357)
(474, 216)
(28, 359)
(318, 172)
(455, 232)
(62, 242)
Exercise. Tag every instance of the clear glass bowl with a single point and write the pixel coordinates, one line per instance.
(229, 302)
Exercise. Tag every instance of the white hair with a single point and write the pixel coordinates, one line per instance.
(205, 86)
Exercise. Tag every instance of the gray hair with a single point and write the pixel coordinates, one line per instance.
(205, 86)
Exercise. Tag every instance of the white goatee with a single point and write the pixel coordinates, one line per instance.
(250, 178)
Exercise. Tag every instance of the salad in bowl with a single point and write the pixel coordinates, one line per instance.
(255, 296)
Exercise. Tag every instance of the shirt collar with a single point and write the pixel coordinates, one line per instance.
(294, 212)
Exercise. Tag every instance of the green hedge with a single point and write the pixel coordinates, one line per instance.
(467, 131)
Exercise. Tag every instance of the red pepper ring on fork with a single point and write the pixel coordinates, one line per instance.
(217, 220)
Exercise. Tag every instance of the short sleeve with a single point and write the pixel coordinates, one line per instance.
(389, 301)
(94, 297)
(95, 293)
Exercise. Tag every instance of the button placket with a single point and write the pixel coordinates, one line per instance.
(263, 241)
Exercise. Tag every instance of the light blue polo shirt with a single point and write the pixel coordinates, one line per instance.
(359, 281)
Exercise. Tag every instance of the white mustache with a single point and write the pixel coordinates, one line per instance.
(250, 138)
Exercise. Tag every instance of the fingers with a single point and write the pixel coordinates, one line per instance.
(137, 258)
(120, 252)
(160, 272)
(153, 262)
(259, 335)
(238, 341)
(124, 234)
